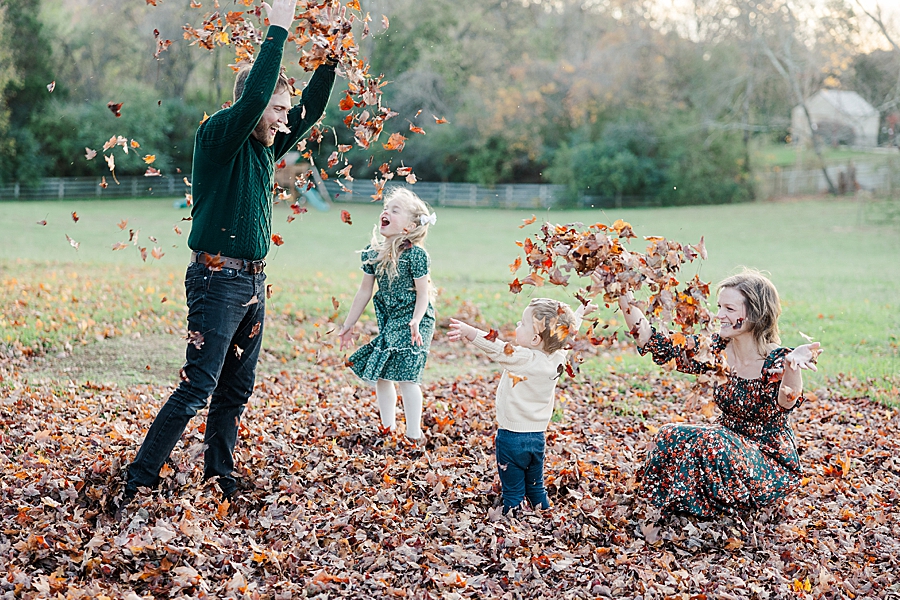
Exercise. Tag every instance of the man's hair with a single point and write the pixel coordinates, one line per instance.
(554, 321)
(284, 84)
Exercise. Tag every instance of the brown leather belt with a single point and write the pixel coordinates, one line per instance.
(217, 262)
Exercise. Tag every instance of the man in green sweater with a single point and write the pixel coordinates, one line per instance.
(235, 152)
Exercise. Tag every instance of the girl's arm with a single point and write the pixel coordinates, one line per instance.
(363, 295)
(801, 357)
(635, 318)
(419, 310)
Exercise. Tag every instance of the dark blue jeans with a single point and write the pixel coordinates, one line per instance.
(520, 460)
(227, 308)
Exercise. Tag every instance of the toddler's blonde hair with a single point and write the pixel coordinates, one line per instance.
(387, 252)
(554, 321)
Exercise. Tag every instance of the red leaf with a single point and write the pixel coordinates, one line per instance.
(345, 217)
(115, 107)
(491, 335)
(277, 239)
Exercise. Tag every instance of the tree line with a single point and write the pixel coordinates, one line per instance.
(612, 98)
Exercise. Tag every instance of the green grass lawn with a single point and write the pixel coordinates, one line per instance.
(836, 270)
(788, 156)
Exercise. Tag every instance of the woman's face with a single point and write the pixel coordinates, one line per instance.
(732, 313)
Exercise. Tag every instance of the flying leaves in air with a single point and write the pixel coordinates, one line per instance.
(51, 86)
(491, 335)
(72, 242)
(115, 107)
(277, 239)
(89, 154)
(345, 217)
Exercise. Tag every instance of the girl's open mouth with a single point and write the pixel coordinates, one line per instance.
(385, 221)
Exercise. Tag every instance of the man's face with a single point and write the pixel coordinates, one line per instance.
(273, 119)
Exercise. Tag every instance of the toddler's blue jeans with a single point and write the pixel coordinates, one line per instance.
(520, 460)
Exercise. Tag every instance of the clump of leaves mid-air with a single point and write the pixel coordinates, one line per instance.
(676, 310)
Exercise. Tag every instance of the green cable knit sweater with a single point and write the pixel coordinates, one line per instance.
(233, 173)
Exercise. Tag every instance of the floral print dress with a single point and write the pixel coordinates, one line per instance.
(747, 460)
(391, 354)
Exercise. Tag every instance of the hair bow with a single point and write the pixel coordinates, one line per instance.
(428, 219)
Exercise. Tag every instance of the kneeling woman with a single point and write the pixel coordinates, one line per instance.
(748, 459)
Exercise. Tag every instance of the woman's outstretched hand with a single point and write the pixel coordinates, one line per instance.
(804, 357)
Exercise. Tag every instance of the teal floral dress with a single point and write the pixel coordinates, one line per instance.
(747, 460)
(391, 354)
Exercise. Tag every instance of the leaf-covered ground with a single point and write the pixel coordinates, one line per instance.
(332, 508)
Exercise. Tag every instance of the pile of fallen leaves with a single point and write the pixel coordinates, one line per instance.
(332, 508)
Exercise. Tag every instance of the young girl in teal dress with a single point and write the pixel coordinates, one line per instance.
(397, 260)
(748, 459)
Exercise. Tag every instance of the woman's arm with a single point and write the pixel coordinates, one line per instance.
(801, 357)
(363, 295)
(419, 310)
(635, 320)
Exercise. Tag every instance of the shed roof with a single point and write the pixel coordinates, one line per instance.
(847, 102)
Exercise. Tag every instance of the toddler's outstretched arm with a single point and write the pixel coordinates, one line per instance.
(460, 331)
(363, 295)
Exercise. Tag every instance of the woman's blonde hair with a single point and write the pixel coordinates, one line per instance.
(762, 305)
(388, 251)
(554, 322)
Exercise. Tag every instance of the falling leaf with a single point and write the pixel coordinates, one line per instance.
(439, 121)
(135, 145)
(44, 222)
(255, 331)
(335, 303)
(491, 335)
(345, 217)
(205, 117)
(251, 301)
(385, 23)
(151, 172)
(123, 224)
(51, 86)
(75, 216)
(115, 107)
(509, 350)
(72, 242)
(177, 229)
(277, 239)
(269, 290)
(395, 142)
(515, 286)
(89, 153)
(526, 222)
(150, 158)
(157, 253)
(346, 103)
(143, 254)
(516, 379)
(415, 129)
(195, 338)
(119, 245)
(238, 351)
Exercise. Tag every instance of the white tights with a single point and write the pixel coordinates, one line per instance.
(412, 405)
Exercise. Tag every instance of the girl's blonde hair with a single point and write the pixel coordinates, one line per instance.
(387, 252)
(762, 304)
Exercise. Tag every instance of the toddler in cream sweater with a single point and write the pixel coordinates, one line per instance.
(525, 395)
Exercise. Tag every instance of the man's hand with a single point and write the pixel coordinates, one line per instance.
(281, 12)
(460, 331)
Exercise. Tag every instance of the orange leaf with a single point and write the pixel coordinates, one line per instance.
(516, 264)
(526, 222)
(516, 379)
(415, 129)
(157, 253)
(395, 142)
(491, 335)
(345, 217)
(277, 239)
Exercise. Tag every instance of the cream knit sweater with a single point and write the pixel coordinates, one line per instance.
(526, 394)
